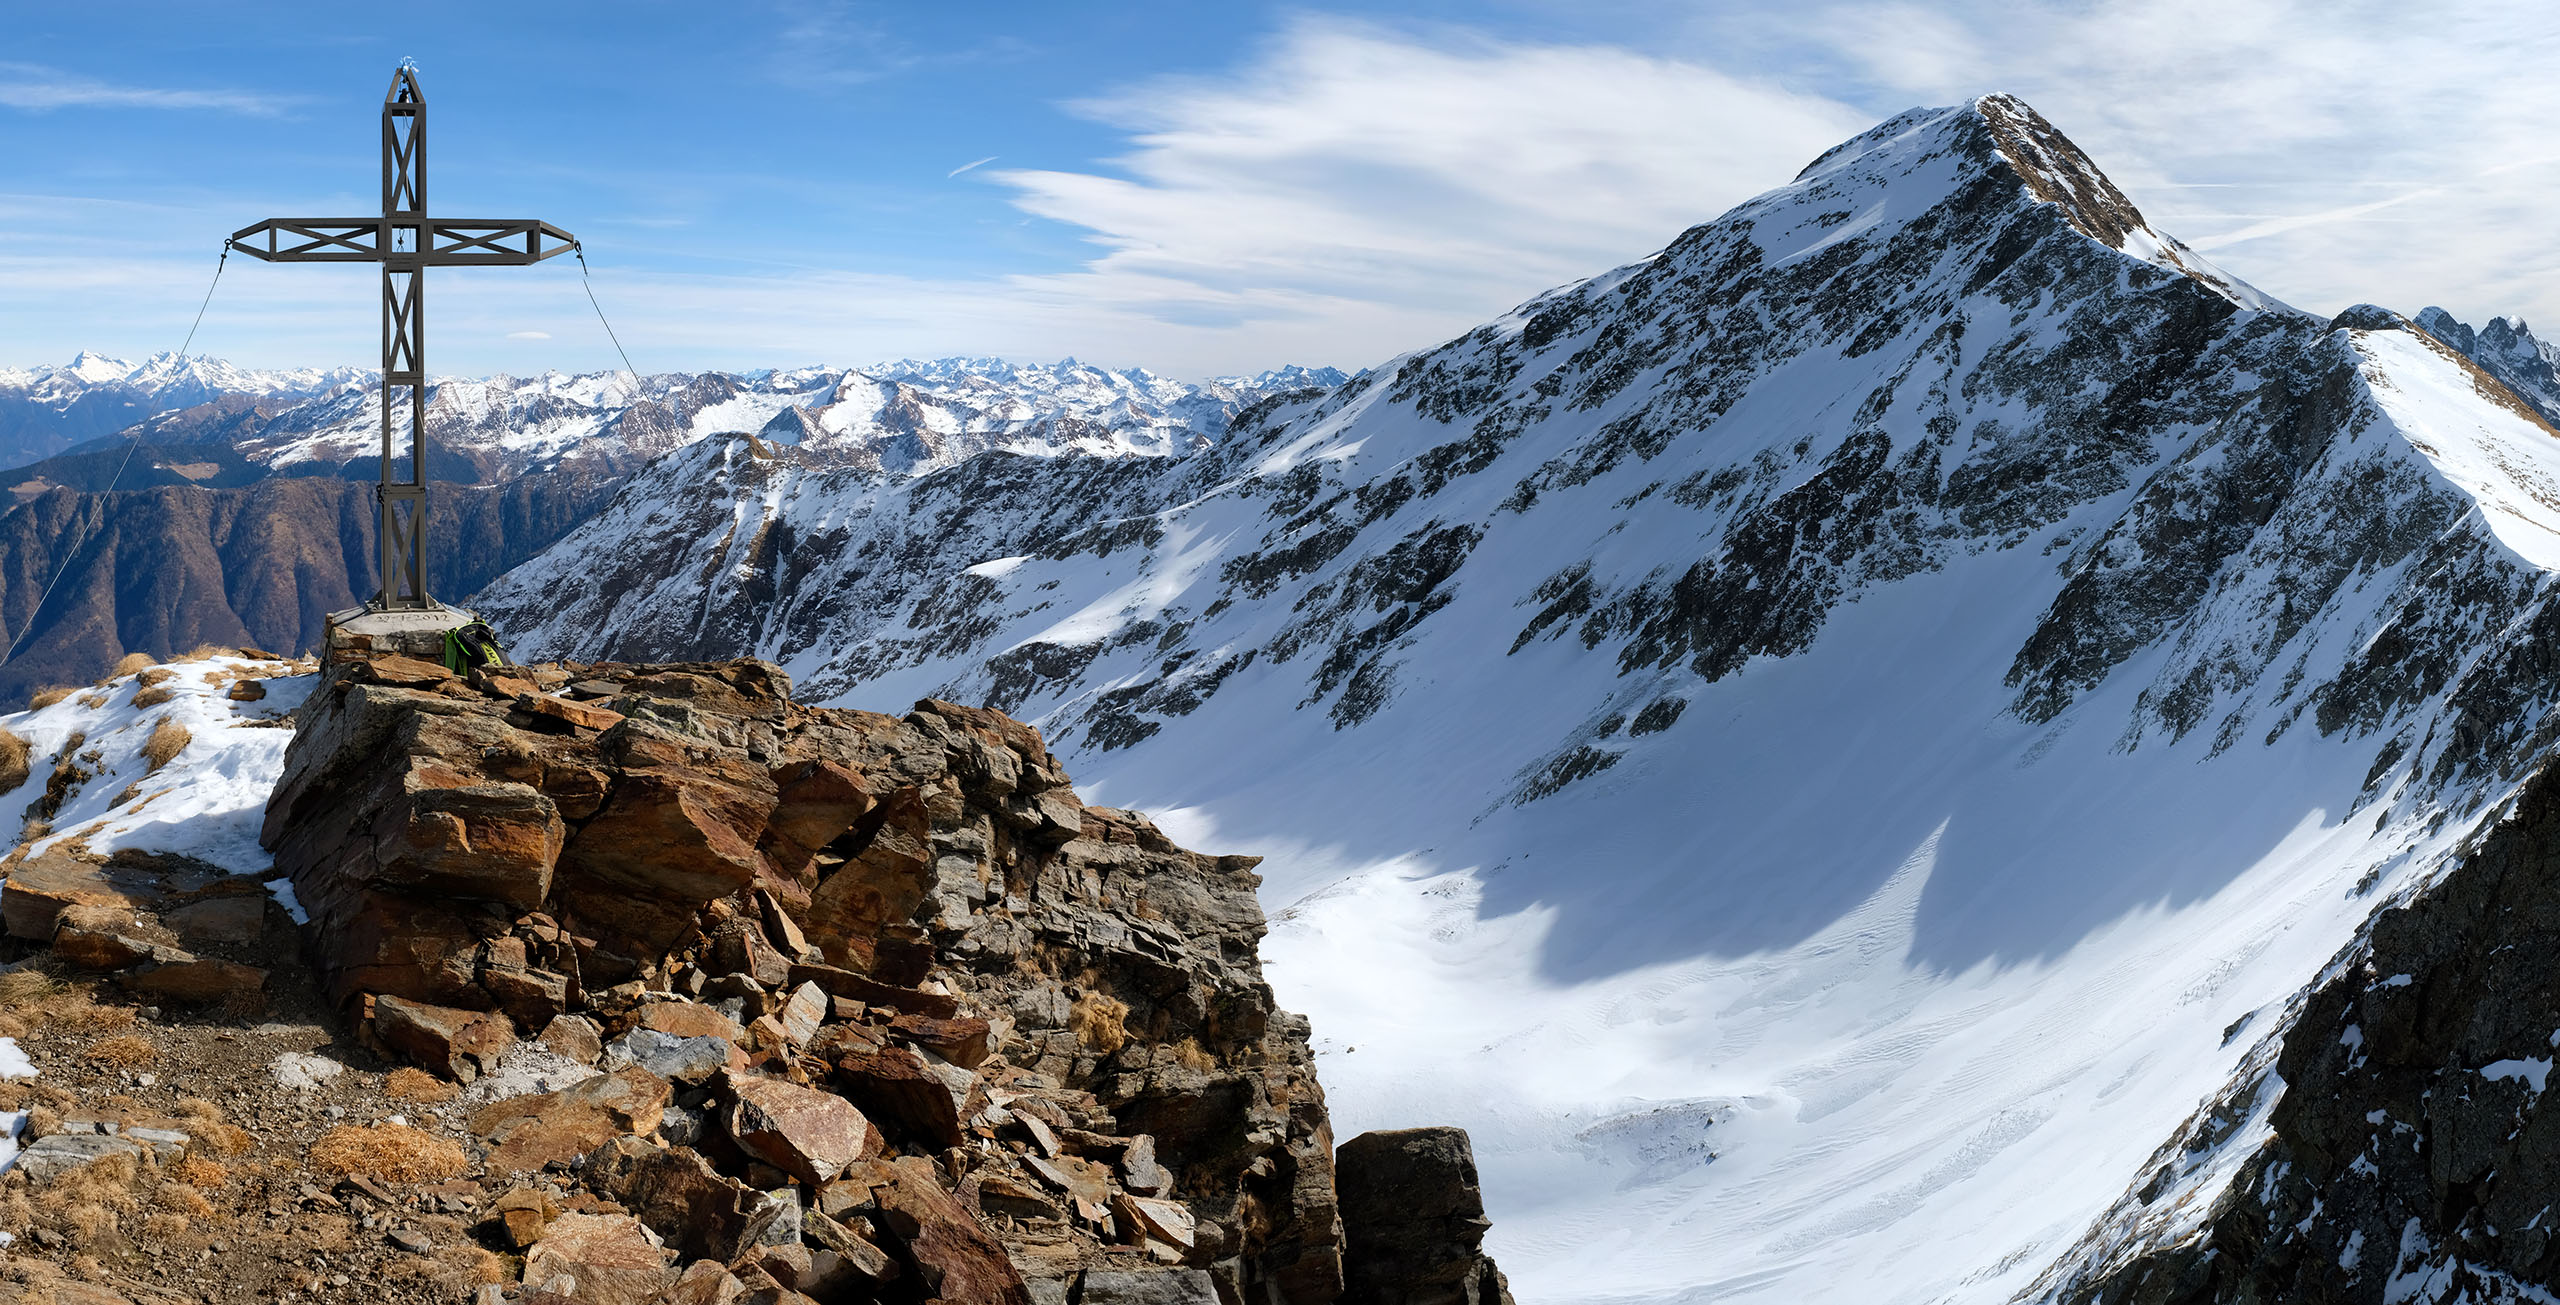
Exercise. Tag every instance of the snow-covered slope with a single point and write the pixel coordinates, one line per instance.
(1823, 748)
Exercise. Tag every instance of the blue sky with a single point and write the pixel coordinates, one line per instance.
(1195, 188)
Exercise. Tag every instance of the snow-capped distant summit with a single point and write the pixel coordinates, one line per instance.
(2507, 350)
(44, 410)
(1291, 377)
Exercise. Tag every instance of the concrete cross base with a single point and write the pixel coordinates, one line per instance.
(415, 633)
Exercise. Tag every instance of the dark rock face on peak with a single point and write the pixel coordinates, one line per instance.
(2415, 1151)
(877, 944)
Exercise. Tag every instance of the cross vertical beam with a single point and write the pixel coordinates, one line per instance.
(401, 505)
(406, 242)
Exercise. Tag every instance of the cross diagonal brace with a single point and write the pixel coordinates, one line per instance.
(447, 242)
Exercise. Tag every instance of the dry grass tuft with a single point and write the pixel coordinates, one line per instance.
(131, 663)
(24, 987)
(391, 1153)
(154, 696)
(85, 1223)
(14, 756)
(107, 1182)
(125, 1051)
(93, 701)
(1100, 1022)
(205, 652)
(408, 1084)
(51, 694)
(157, 675)
(182, 1198)
(205, 1122)
(1189, 1054)
(200, 1173)
(168, 739)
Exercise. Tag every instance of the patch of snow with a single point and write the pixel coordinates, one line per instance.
(13, 1062)
(2535, 1072)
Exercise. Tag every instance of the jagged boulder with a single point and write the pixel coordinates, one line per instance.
(1413, 1213)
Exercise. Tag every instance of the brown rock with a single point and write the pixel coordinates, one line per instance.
(610, 1255)
(819, 801)
(574, 1037)
(246, 691)
(691, 838)
(404, 672)
(866, 1261)
(39, 889)
(530, 997)
(194, 981)
(102, 938)
(845, 983)
(691, 1019)
(578, 715)
(953, 1253)
(527, 1133)
(238, 919)
(454, 1042)
(495, 841)
(881, 886)
(803, 1013)
(780, 929)
(964, 1040)
(899, 1088)
(706, 1283)
(745, 950)
(522, 1215)
(1004, 1195)
(1073, 1177)
(701, 1213)
(1139, 1170)
(1170, 1222)
(811, 1135)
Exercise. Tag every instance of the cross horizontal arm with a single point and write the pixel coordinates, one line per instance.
(447, 242)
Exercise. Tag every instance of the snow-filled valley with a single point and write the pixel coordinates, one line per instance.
(1832, 751)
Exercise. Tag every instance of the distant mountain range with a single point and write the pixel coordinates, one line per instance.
(244, 515)
(49, 409)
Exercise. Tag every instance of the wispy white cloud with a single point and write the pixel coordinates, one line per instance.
(33, 86)
(977, 163)
(528, 335)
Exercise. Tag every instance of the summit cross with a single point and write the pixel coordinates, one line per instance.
(406, 242)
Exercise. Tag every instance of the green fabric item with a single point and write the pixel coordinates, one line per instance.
(470, 646)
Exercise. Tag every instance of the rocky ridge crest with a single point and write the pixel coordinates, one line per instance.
(979, 1035)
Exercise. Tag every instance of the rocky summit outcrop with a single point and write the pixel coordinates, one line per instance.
(882, 1005)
